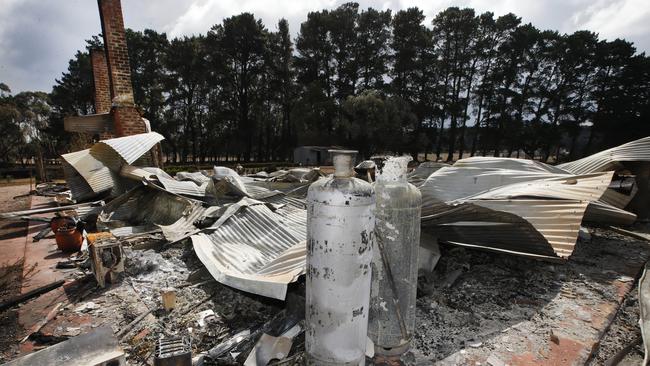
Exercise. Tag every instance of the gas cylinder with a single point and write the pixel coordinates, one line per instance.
(340, 239)
(395, 260)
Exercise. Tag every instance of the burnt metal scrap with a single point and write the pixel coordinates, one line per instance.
(255, 247)
(514, 205)
(259, 233)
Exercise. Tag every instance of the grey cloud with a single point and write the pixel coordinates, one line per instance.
(37, 38)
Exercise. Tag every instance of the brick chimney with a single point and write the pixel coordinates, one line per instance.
(102, 86)
(126, 118)
(100, 78)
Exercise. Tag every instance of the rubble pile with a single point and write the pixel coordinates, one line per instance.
(211, 263)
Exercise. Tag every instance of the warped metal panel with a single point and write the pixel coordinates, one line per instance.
(588, 187)
(135, 173)
(541, 227)
(120, 232)
(522, 165)
(637, 150)
(532, 211)
(184, 188)
(601, 212)
(94, 172)
(79, 188)
(255, 248)
(196, 177)
(185, 224)
(451, 183)
(423, 171)
(144, 206)
(617, 199)
(127, 148)
(558, 221)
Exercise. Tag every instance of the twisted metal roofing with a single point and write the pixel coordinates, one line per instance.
(196, 177)
(96, 175)
(127, 148)
(637, 150)
(534, 210)
(255, 248)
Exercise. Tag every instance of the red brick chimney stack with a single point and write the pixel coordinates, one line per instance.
(100, 78)
(126, 118)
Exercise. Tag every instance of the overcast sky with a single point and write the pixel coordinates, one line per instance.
(38, 37)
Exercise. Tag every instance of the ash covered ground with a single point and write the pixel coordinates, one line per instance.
(475, 303)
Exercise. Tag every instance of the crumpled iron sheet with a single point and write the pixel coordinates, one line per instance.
(81, 164)
(115, 152)
(255, 247)
(521, 165)
(100, 165)
(184, 188)
(144, 206)
(234, 181)
(484, 173)
(295, 175)
(79, 188)
(151, 174)
(618, 199)
(126, 231)
(637, 150)
(452, 183)
(196, 177)
(540, 227)
(185, 225)
(418, 175)
(600, 212)
(532, 211)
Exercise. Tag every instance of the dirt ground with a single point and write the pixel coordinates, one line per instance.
(11, 272)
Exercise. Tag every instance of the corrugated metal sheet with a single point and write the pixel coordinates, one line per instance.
(588, 187)
(135, 173)
(144, 206)
(423, 171)
(196, 177)
(79, 188)
(128, 148)
(600, 212)
(85, 211)
(183, 188)
(94, 172)
(617, 199)
(100, 165)
(450, 183)
(185, 224)
(255, 248)
(540, 227)
(528, 211)
(638, 150)
(522, 165)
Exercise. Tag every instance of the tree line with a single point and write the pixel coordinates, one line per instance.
(466, 84)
